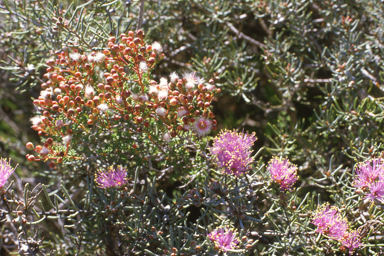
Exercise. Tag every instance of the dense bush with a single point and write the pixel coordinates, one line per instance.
(192, 127)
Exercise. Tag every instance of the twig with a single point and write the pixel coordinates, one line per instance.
(141, 14)
(241, 35)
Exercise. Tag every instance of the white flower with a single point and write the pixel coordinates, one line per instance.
(163, 95)
(103, 107)
(160, 111)
(153, 89)
(174, 77)
(167, 137)
(143, 66)
(91, 58)
(157, 47)
(75, 56)
(67, 139)
(89, 92)
(210, 87)
(192, 80)
(163, 82)
(36, 120)
(46, 94)
(99, 57)
(189, 85)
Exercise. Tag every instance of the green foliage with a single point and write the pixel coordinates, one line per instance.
(306, 75)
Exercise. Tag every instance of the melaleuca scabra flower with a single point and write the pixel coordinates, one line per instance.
(5, 170)
(329, 222)
(368, 172)
(351, 241)
(224, 238)
(232, 151)
(111, 177)
(283, 172)
(376, 191)
(370, 178)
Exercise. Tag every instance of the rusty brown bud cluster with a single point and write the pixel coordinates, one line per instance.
(106, 89)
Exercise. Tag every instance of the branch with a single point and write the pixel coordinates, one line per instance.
(245, 37)
(141, 14)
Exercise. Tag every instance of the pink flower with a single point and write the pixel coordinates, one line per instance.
(376, 191)
(232, 151)
(111, 177)
(370, 178)
(202, 126)
(5, 171)
(329, 222)
(368, 172)
(351, 241)
(224, 238)
(283, 172)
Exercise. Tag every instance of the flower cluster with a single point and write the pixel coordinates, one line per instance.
(111, 177)
(351, 241)
(283, 172)
(330, 223)
(224, 239)
(370, 178)
(232, 151)
(5, 170)
(113, 89)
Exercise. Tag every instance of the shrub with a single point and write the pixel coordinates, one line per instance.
(129, 106)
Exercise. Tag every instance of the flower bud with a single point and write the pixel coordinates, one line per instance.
(140, 33)
(173, 102)
(70, 112)
(44, 152)
(136, 40)
(29, 145)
